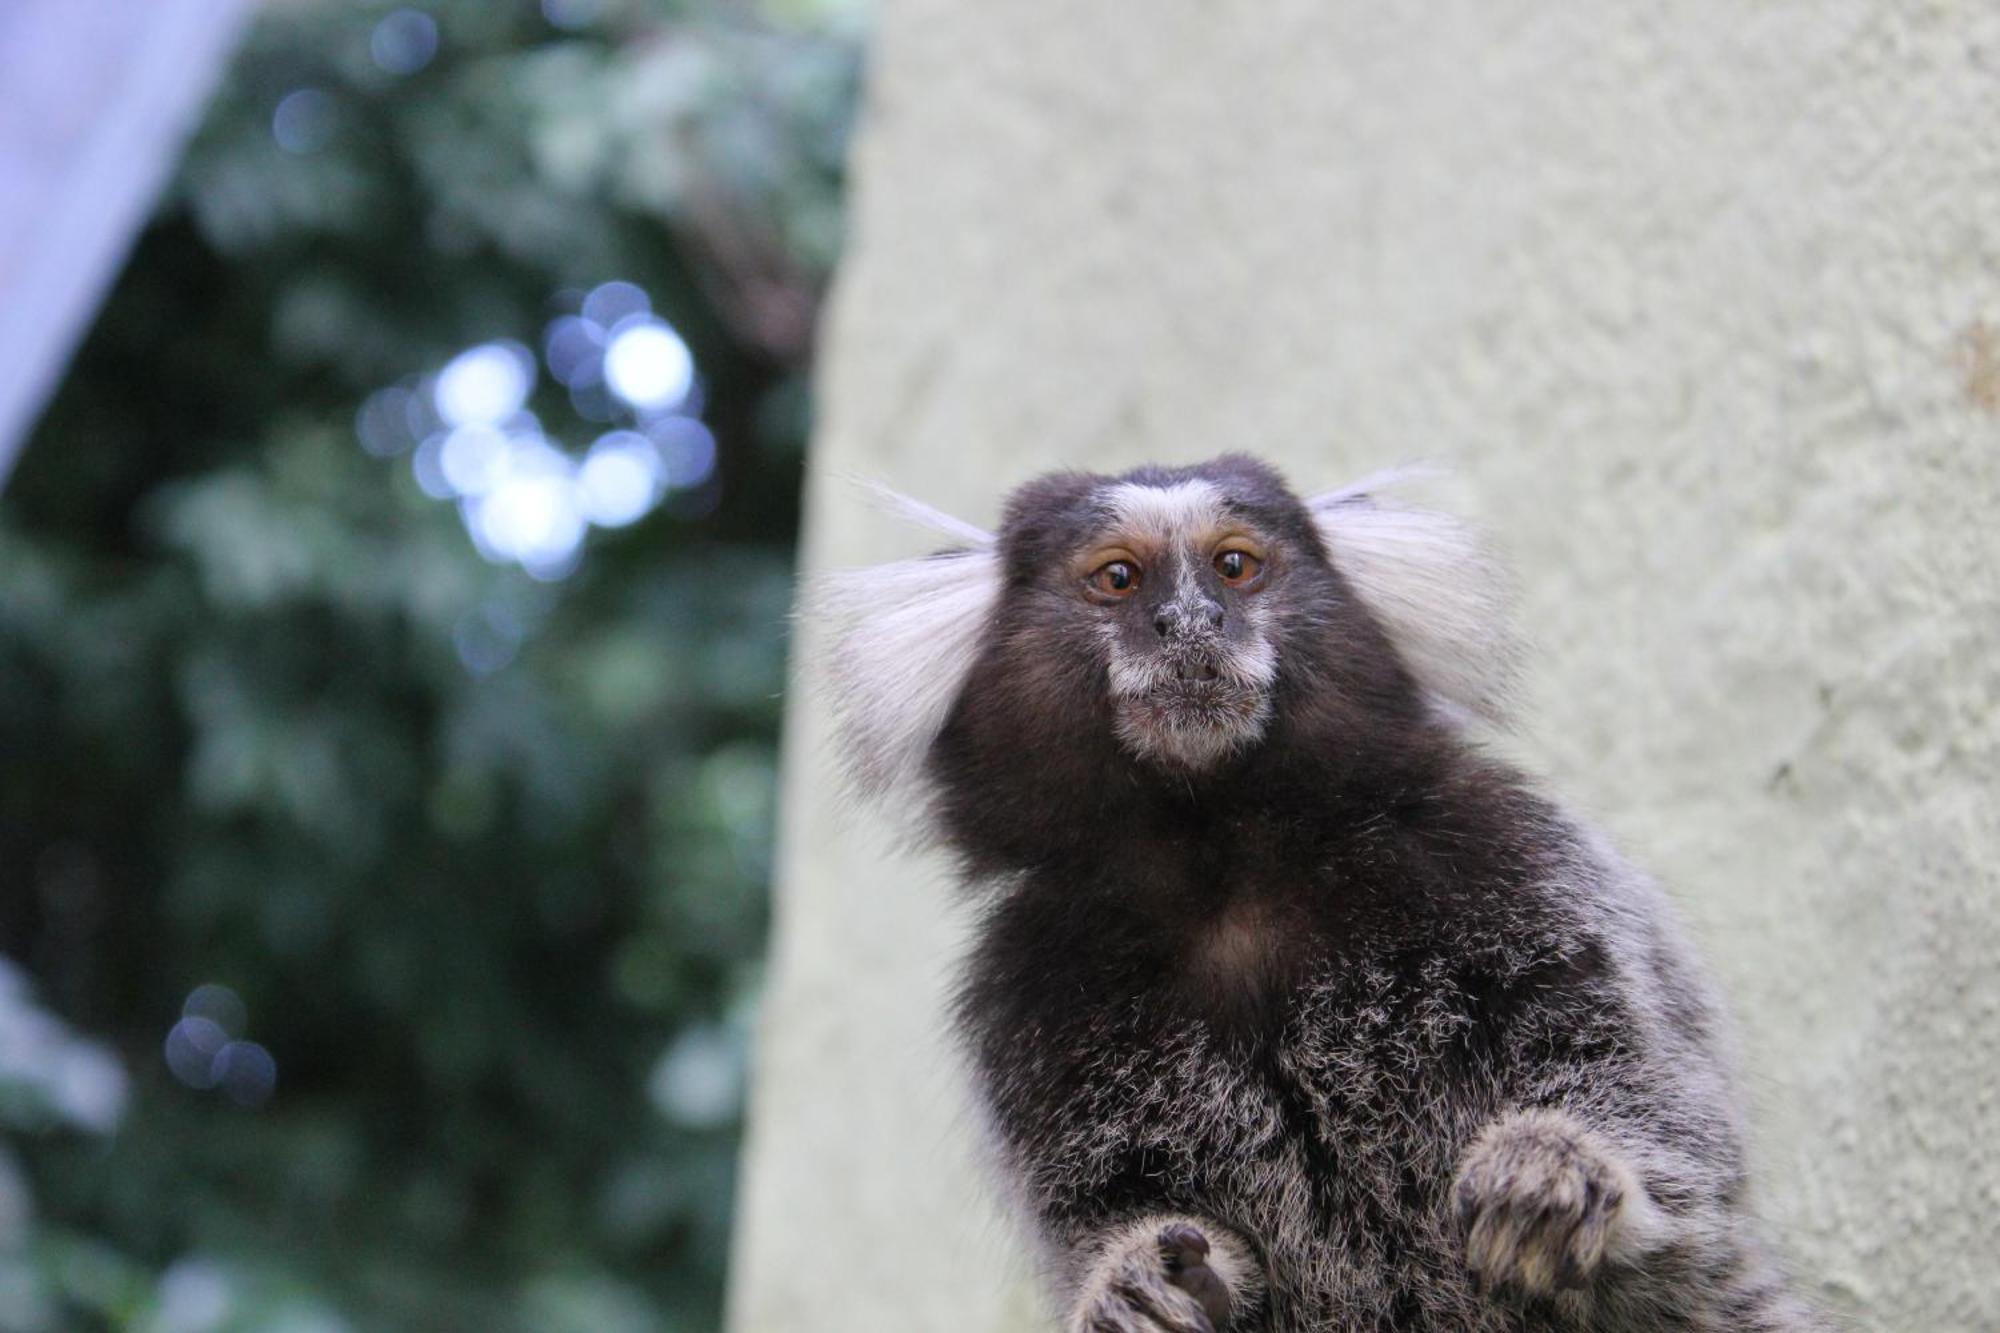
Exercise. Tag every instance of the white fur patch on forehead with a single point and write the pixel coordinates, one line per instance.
(899, 640)
(1164, 515)
(1437, 591)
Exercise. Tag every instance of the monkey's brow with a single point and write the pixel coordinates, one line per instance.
(1151, 518)
(1144, 541)
(1149, 543)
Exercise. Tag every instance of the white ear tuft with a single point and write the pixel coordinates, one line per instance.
(901, 639)
(1438, 592)
(912, 510)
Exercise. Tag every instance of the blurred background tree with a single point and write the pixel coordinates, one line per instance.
(390, 660)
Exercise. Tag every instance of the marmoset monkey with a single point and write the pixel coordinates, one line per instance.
(1290, 1009)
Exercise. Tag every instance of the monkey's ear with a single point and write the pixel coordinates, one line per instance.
(1438, 592)
(898, 641)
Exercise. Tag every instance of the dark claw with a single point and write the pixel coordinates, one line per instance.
(1182, 1246)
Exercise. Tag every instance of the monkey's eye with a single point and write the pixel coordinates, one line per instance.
(1118, 578)
(1237, 567)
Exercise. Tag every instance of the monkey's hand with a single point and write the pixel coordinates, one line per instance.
(1167, 1275)
(1541, 1202)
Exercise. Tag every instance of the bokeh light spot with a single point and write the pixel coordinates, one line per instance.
(593, 402)
(571, 14)
(88, 1086)
(192, 1045)
(648, 365)
(427, 465)
(219, 1005)
(574, 348)
(303, 121)
(194, 1296)
(620, 479)
(687, 449)
(246, 1073)
(611, 303)
(699, 1081)
(475, 458)
(532, 516)
(404, 41)
(525, 500)
(487, 383)
(383, 423)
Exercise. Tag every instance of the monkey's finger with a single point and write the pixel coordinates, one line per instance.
(1158, 1305)
(1205, 1285)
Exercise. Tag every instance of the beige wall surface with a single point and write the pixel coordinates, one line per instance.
(1703, 306)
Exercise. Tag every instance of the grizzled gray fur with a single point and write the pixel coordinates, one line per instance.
(1290, 1008)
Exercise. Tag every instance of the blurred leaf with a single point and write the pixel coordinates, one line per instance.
(484, 858)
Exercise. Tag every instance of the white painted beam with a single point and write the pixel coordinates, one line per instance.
(96, 98)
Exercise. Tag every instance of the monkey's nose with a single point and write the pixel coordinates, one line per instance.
(1182, 617)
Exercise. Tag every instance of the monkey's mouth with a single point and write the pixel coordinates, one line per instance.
(1194, 672)
(1191, 726)
(1197, 701)
(1189, 706)
(1192, 721)
(1198, 677)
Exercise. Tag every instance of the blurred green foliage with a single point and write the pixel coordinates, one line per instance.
(500, 928)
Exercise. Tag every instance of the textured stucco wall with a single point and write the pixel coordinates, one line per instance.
(1705, 308)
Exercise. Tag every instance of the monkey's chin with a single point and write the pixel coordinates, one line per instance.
(1192, 727)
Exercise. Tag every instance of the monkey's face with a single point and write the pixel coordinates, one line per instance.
(1172, 584)
(1163, 606)
(1151, 637)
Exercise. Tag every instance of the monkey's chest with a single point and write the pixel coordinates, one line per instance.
(1248, 1065)
(1242, 973)
(1243, 959)
(1241, 948)
(1131, 1059)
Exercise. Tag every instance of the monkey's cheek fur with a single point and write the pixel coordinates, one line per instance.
(1192, 726)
